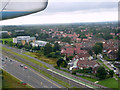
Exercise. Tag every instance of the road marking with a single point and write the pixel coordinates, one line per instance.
(45, 78)
(41, 83)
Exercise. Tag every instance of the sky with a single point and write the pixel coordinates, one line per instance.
(70, 11)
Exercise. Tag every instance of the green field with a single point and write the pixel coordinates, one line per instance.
(7, 39)
(10, 81)
(42, 57)
(110, 82)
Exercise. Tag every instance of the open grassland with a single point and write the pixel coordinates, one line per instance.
(42, 57)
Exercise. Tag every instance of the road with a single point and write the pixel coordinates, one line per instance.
(109, 66)
(28, 75)
(71, 79)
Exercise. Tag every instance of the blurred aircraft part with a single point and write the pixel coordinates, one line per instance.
(16, 8)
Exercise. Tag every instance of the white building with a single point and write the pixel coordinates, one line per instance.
(39, 43)
(23, 39)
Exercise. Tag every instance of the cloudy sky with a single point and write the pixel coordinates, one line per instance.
(70, 11)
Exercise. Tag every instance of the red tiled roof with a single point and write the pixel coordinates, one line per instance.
(86, 63)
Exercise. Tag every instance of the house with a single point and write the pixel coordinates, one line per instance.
(86, 64)
(82, 64)
(81, 56)
(69, 50)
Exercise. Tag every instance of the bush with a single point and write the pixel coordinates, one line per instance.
(74, 71)
(111, 72)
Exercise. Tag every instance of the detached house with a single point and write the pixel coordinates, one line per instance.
(71, 51)
(82, 62)
(86, 64)
(81, 57)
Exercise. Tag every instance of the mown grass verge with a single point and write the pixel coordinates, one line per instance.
(110, 82)
(41, 57)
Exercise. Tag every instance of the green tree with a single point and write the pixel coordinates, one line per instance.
(118, 54)
(100, 44)
(52, 54)
(111, 72)
(101, 73)
(66, 39)
(70, 57)
(90, 52)
(107, 36)
(47, 49)
(56, 47)
(59, 62)
(97, 49)
(20, 46)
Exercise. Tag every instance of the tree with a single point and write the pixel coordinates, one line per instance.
(118, 54)
(66, 39)
(101, 73)
(90, 52)
(107, 36)
(47, 49)
(56, 47)
(20, 46)
(59, 62)
(111, 72)
(70, 57)
(97, 49)
(100, 44)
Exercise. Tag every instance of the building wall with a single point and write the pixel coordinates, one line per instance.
(23, 42)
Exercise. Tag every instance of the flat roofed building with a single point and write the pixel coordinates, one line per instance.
(23, 39)
(39, 43)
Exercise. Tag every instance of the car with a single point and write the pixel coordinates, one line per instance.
(21, 65)
(10, 60)
(25, 67)
(24, 83)
(114, 68)
(3, 60)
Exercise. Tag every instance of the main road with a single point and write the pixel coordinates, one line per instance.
(30, 76)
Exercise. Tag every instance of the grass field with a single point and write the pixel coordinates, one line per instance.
(110, 82)
(42, 57)
(11, 82)
(7, 39)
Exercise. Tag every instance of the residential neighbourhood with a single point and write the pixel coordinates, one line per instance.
(80, 53)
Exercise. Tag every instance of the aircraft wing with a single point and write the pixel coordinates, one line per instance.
(16, 8)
